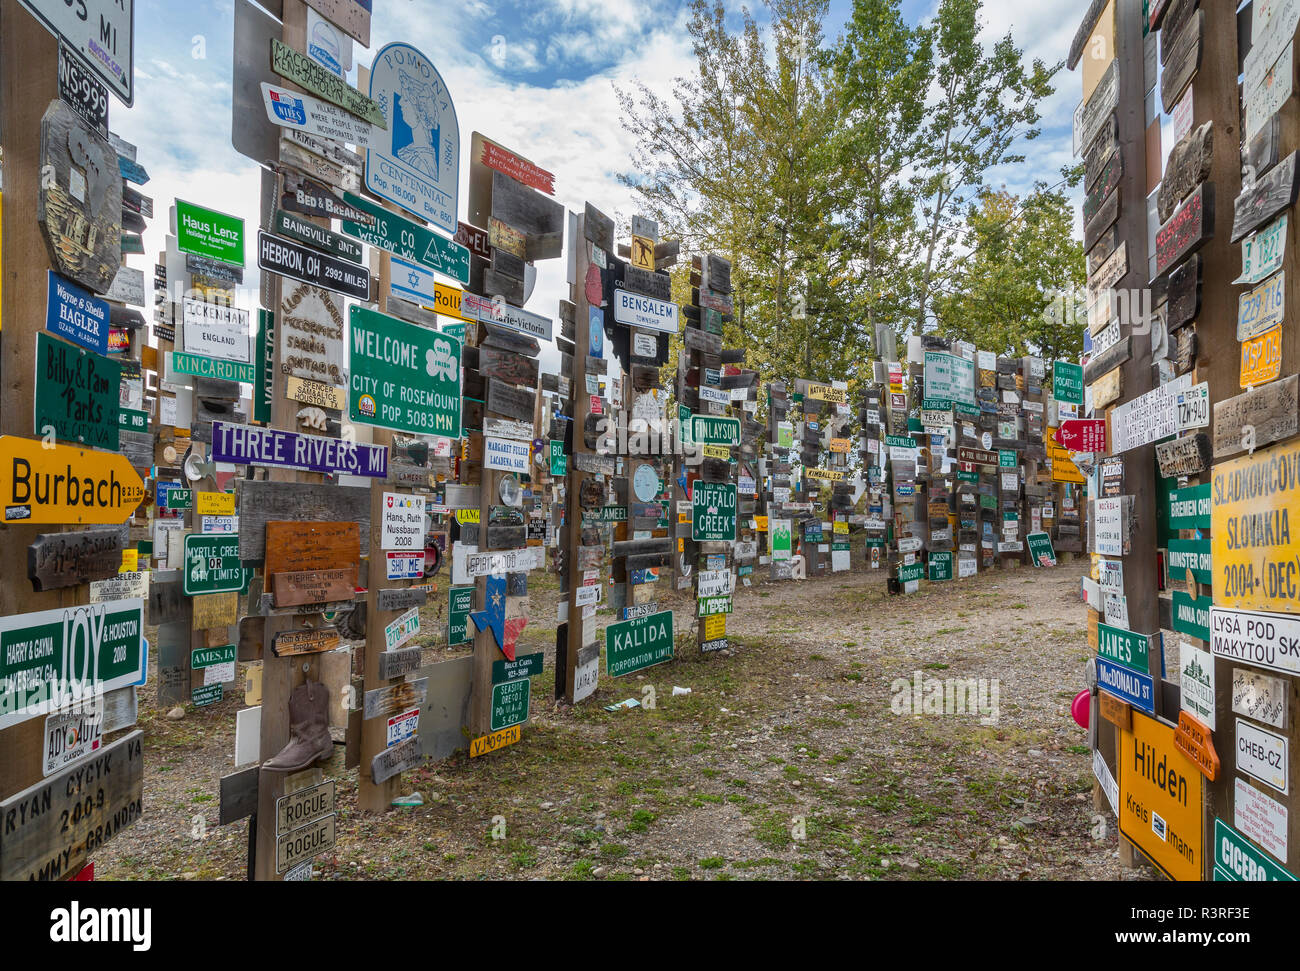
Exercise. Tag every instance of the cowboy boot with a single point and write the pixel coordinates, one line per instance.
(309, 733)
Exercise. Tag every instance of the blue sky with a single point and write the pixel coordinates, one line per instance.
(537, 76)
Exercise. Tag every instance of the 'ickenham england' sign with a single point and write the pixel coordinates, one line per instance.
(270, 447)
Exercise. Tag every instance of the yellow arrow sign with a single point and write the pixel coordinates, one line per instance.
(58, 484)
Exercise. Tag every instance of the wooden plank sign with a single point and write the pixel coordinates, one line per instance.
(1183, 61)
(400, 758)
(293, 643)
(1184, 293)
(1259, 417)
(293, 547)
(57, 560)
(1099, 193)
(1101, 104)
(1096, 227)
(51, 828)
(1269, 196)
(394, 698)
(398, 664)
(1189, 455)
(314, 587)
(1107, 389)
(1193, 738)
(1189, 166)
(1108, 360)
(263, 502)
(1187, 230)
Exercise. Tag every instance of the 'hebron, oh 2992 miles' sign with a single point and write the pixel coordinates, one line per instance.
(54, 658)
(635, 645)
(404, 377)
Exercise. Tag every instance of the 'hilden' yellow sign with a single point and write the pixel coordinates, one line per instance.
(1160, 799)
(58, 484)
(1256, 555)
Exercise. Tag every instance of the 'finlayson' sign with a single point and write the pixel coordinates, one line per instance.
(248, 445)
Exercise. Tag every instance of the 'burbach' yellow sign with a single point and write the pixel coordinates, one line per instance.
(58, 484)
(1256, 556)
(1160, 798)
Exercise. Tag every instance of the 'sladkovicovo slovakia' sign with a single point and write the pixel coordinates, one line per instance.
(637, 644)
(404, 377)
(55, 658)
(270, 447)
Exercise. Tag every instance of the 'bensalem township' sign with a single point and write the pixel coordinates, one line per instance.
(416, 163)
(637, 644)
(648, 313)
(55, 658)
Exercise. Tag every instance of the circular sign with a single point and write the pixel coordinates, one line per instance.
(511, 492)
(645, 483)
(987, 440)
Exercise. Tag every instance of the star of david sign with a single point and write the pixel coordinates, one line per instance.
(504, 632)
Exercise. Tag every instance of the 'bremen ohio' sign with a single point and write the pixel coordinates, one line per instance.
(55, 658)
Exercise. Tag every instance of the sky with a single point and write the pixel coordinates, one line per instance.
(537, 76)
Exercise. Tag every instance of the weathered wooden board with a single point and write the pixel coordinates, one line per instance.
(79, 207)
(1270, 195)
(511, 402)
(238, 795)
(526, 209)
(400, 758)
(1108, 360)
(598, 228)
(1185, 352)
(509, 367)
(647, 283)
(1103, 220)
(1262, 153)
(1183, 61)
(1187, 230)
(51, 828)
(264, 502)
(1107, 389)
(1189, 455)
(1189, 166)
(1108, 183)
(1257, 418)
(56, 560)
(308, 197)
(494, 335)
(394, 698)
(398, 664)
(1184, 293)
(1098, 156)
(167, 601)
(313, 586)
(1107, 275)
(1099, 108)
(401, 599)
(292, 643)
(1103, 246)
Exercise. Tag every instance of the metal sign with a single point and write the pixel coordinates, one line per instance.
(82, 91)
(75, 314)
(76, 394)
(648, 313)
(37, 484)
(409, 240)
(206, 232)
(1160, 799)
(404, 377)
(273, 448)
(416, 163)
(634, 645)
(297, 262)
(301, 112)
(101, 31)
(212, 565)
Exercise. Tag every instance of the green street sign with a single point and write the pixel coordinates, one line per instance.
(708, 430)
(684, 423)
(710, 606)
(304, 231)
(403, 377)
(559, 461)
(406, 239)
(510, 703)
(940, 567)
(1124, 647)
(713, 512)
(973, 478)
(1040, 549)
(1067, 382)
(613, 514)
(988, 502)
(460, 601)
(130, 420)
(212, 565)
(210, 657)
(264, 367)
(209, 694)
(53, 658)
(1008, 459)
(76, 394)
(1236, 858)
(898, 441)
(205, 232)
(635, 645)
(208, 367)
(178, 499)
(1190, 508)
(522, 667)
(310, 76)
(1191, 615)
(911, 574)
(1190, 554)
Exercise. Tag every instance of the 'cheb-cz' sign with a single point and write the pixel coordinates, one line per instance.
(271, 447)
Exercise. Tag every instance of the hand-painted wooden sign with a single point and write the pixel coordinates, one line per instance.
(1257, 418)
(1184, 293)
(311, 198)
(295, 643)
(301, 545)
(53, 827)
(1189, 166)
(307, 74)
(79, 206)
(1100, 105)
(416, 164)
(1183, 61)
(1102, 189)
(309, 330)
(1194, 739)
(394, 698)
(1271, 194)
(56, 560)
(1187, 230)
(1108, 360)
(313, 586)
(63, 485)
(1189, 455)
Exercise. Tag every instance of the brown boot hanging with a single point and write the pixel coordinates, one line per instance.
(309, 733)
